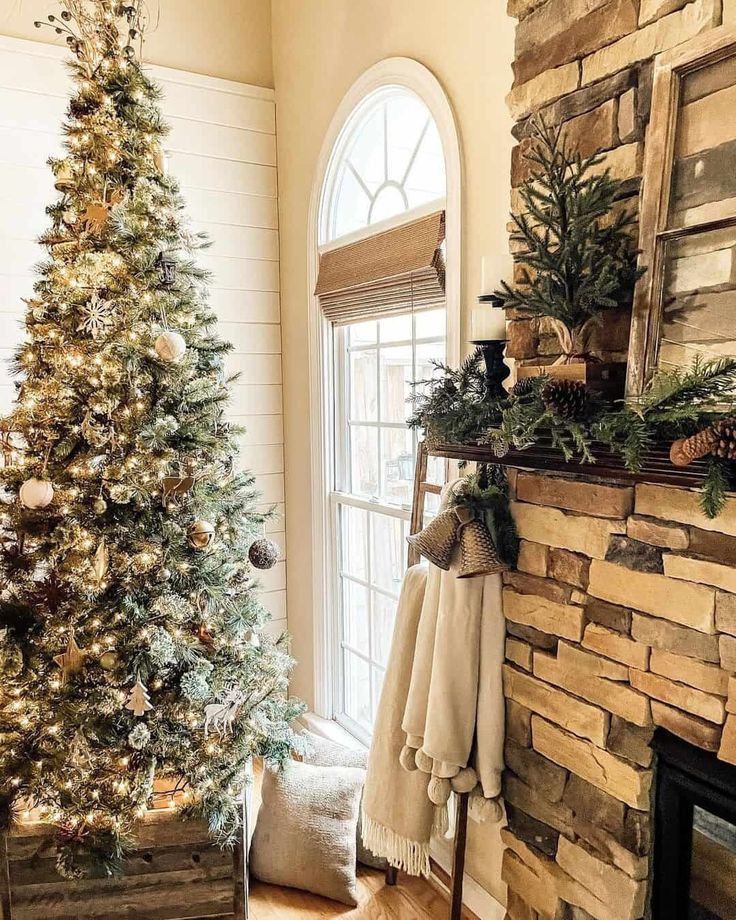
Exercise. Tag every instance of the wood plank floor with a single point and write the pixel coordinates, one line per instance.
(411, 899)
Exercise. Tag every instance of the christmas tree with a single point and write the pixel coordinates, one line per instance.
(127, 614)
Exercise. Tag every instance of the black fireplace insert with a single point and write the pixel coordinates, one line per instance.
(695, 834)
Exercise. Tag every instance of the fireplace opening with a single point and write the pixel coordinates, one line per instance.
(695, 834)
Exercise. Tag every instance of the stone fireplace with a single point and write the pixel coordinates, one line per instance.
(621, 618)
(620, 621)
(695, 834)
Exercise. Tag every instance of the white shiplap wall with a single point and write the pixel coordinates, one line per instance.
(222, 149)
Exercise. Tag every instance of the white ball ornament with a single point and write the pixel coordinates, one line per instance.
(201, 534)
(36, 494)
(170, 347)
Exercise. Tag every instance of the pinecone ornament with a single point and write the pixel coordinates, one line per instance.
(724, 444)
(566, 398)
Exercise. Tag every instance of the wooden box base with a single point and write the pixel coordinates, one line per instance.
(176, 873)
(607, 378)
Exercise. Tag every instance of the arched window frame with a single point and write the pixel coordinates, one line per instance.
(417, 78)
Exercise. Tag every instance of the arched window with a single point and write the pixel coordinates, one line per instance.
(388, 160)
(390, 163)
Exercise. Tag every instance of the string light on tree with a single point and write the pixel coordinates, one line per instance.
(120, 411)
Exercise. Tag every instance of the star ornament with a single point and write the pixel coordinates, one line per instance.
(72, 661)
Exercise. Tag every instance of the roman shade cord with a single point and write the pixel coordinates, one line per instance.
(390, 272)
(440, 721)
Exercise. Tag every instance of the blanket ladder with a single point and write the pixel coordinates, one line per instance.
(422, 488)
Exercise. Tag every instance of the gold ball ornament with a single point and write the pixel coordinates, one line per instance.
(36, 494)
(201, 534)
(109, 661)
(99, 506)
(170, 347)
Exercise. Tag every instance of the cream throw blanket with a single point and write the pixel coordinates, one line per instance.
(441, 710)
(454, 714)
(398, 817)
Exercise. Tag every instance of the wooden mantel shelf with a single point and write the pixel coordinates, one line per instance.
(656, 466)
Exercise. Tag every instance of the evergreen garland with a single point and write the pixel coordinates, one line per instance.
(676, 404)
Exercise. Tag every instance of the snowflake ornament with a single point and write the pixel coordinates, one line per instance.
(99, 316)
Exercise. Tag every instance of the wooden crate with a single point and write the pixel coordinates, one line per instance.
(608, 378)
(176, 873)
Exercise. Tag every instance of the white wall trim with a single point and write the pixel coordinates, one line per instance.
(396, 71)
(186, 78)
(475, 897)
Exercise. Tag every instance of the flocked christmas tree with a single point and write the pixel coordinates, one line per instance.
(128, 622)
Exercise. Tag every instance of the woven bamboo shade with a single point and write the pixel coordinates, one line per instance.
(394, 271)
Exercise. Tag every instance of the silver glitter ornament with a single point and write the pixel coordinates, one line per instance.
(264, 553)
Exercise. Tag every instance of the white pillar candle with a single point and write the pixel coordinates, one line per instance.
(487, 323)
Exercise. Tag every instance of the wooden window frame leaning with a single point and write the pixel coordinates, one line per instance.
(646, 323)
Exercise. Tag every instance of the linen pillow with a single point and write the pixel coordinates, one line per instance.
(305, 832)
(324, 753)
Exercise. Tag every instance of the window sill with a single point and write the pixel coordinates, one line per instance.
(329, 729)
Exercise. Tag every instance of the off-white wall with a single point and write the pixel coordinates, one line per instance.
(320, 47)
(221, 38)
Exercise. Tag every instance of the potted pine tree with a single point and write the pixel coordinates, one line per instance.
(578, 257)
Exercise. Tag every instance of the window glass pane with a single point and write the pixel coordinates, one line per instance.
(350, 208)
(364, 460)
(426, 355)
(703, 176)
(384, 616)
(699, 300)
(396, 328)
(354, 541)
(389, 159)
(431, 507)
(362, 333)
(426, 179)
(431, 324)
(388, 556)
(367, 153)
(397, 454)
(363, 386)
(396, 375)
(408, 120)
(437, 470)
(355, 615)
(357, 689)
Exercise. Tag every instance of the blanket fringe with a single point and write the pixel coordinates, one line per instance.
(410, 856)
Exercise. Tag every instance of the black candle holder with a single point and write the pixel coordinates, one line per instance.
(496, 368)
(493, 354)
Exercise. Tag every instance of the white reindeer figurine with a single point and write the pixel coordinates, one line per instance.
(220, 716)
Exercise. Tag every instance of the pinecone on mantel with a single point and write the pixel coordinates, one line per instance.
(724, 445)
(566, 398)
(719, 440)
